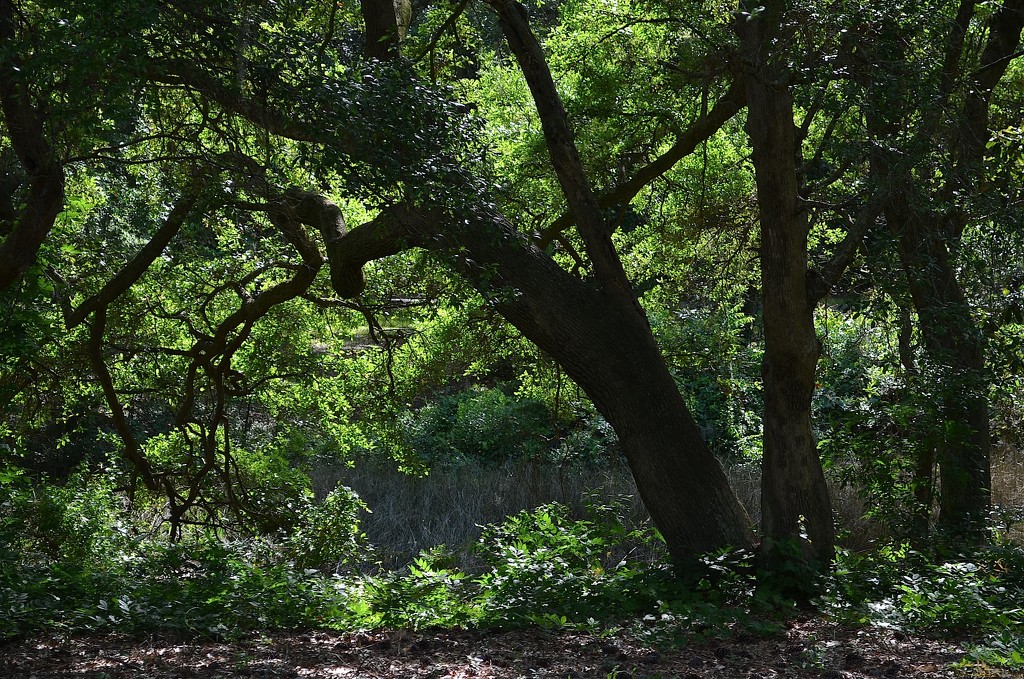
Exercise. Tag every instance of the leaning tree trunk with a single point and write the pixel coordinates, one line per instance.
(795, 505)
(602, 344)
(611, 354)
(613, 357)
(596, 330)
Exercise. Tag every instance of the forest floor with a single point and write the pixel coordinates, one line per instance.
(811, 647)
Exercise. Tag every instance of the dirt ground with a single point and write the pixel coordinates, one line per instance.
(809, 648)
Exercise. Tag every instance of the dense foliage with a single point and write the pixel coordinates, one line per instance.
(248, 249)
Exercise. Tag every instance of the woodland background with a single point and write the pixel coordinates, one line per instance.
(667, 321)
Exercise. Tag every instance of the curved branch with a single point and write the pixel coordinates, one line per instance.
(132, 450)
(391, 232)
(134, 270)
(261, 113)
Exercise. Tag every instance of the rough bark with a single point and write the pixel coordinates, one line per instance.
(381, 39)
(795, 504)
(45, 198)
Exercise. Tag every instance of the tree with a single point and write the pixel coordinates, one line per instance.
(400, 148)
(597, 332)
(902, 127)
(927, 215)
(794, 497)
(220, 155)
(25, 226)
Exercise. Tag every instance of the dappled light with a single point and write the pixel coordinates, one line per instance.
(505, 339)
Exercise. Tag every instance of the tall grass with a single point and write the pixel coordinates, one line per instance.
(410, 513)
(1008, 490)
(450, 504)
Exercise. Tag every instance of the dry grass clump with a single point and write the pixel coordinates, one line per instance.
(1008, 489)
(856, 531)
(410, 513)
(449, 506)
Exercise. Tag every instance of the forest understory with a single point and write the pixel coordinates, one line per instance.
(488, 338)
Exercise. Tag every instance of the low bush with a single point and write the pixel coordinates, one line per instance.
(544, 566)
(977, 596)
(73, 561)
(486, 425)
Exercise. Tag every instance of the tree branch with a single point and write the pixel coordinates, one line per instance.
(439, 33)
(819, 283)
(132, 450)
(954, 50)
(381, 37)
(261, 113)
(139, 264)
(699, 131)
(564, 155)
(1004, 39)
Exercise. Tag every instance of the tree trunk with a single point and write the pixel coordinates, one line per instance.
(955, 348)
(45, 196)
(795, 505)
(382, 35)
(952, 342)
(924, 464)
(598, 333)
(614, 358)
(604, 342)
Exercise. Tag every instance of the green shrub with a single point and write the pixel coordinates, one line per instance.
(488, 425)
(544, 567)
(276, 493)
(73, 523)
(949, 598)
(205, 588)
(480, 424)
(70, 563)
(328, 536)
(431, 592)
(1004, 650)
(976, 595)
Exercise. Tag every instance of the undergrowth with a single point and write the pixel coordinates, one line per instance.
(976, 597)
(69, 563)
